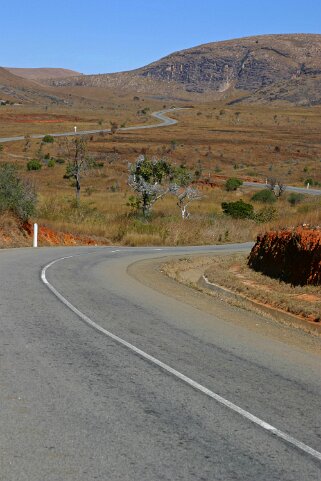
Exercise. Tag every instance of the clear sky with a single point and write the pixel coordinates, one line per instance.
(101, 36)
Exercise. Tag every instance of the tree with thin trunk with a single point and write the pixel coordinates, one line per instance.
(78, 162)
(276, 186)
(184, 195)
(150, 181)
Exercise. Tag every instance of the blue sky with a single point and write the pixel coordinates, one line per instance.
(100, 36)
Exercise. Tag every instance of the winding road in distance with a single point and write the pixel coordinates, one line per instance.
(164, 122)
(110, 371)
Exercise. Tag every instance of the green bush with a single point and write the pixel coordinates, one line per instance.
(16, 195)
(34, 164)
(232, 184)
(295, 198)
(51, 163)
(265, 215)
(48, 139)
(238, 210)
(265, 196)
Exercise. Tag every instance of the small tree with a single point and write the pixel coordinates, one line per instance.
(27, 142)
(16, 195)
(184, 196)
(113, 127)
(232, 184)
(276, 186)
(150, 180)
(78, 162)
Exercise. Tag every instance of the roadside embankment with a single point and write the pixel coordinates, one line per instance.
(292, 256)
(230, 278)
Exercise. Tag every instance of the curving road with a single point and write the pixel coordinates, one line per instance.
(103, 377)
(164, 122)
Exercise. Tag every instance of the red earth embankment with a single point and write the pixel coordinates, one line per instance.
(49, 237)
(293, 256)
(15, 234)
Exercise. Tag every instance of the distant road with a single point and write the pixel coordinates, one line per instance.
(300, 190)
(164, 122)
(161, 115)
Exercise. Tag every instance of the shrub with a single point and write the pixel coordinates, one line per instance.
(265, 215)
(34, 164)
(238, 210)
(309, 181)
(60, 160)
(295, 198)
(265, 196)
(51, 163)
(16, 195)
(48, 139)
(232, 184)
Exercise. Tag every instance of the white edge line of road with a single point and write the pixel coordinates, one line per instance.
(233, 407)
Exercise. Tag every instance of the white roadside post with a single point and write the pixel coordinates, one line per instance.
(75, 129)
(35, 235)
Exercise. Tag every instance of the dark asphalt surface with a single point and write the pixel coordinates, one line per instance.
(75, 405)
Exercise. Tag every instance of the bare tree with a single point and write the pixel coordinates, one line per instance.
(184, 196)
(78, 162)
(276, 186)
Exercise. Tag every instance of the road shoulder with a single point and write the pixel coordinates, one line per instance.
(149, 272)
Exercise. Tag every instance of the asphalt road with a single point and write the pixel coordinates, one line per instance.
(164, 122)
(161, 115)
(78, 404)
(289, 188)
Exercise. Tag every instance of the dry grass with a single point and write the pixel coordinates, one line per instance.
(233, 273)
(243, 141)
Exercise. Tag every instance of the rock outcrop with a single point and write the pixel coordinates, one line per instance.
(233, 68)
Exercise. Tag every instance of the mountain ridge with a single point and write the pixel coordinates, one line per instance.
(222, 70)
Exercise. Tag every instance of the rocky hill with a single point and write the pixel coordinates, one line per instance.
(261, 69)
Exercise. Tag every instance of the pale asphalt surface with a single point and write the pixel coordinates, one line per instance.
(77, 406)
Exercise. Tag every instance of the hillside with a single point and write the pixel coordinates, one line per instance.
(42, 73)
(18, 89)
(246, 67)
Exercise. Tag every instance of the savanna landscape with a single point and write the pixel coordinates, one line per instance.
(231, 129)
(160, 241)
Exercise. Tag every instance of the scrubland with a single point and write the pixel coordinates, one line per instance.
(214, 140)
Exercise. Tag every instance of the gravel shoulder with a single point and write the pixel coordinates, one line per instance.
(152, 274)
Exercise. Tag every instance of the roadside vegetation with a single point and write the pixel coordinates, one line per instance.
(196, 197)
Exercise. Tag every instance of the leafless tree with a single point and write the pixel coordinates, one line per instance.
(78, 162)
(184, 196)
(276, 186)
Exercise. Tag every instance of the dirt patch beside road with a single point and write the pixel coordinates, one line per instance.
(233, 274)
(151, 274)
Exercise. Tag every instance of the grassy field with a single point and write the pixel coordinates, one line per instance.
(246, 142)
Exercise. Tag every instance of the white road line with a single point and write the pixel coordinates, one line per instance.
(233, 407)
